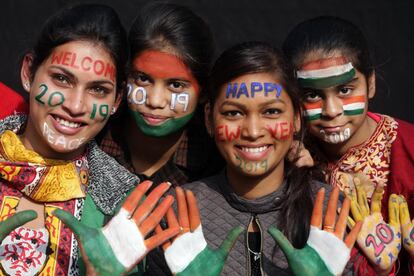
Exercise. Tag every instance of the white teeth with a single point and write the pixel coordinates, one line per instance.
(254, 150)
(67, 123)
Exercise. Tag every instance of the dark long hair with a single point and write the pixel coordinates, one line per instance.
(163, 25)
(88, 22)
(259, 57)
(327, 34)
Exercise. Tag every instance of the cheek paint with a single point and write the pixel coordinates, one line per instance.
(249, 166)
(335, 138)
(60, 140)
(234, 90)
(162, 65)
(354, 105)
(225, 134)
(85, 63)
(55, 98)
(281, 130)
(136, 96)
(313, 111)
(103, 111)
(179, 98)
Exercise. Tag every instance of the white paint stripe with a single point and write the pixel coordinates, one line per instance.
(315, 111)
(354, 106)
(333, 251)
(326, 72)
(184, 249)
(125, 239)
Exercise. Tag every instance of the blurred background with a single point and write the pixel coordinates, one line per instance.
(385, 23)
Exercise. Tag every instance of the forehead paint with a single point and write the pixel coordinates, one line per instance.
(85, 63)
(224, 134)
(324, 73)
(281, 130)
(170, 126)
(57, 140)
(335, 138)
(163, 65)
(234, 90)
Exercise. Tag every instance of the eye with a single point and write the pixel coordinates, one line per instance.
(60, 78)
(232, 113)
(312, 96)
(344, 91)
(272, 111)
(177, 85)
(141, 79)
(100, 90)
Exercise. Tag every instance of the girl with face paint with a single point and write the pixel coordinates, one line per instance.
(158, 134)
(254, 113)
(50, 167)
(337, 78)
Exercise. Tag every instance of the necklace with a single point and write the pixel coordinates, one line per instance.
(256, 255)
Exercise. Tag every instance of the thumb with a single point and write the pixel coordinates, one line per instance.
(282, 241)
(77, 227)
(230, 239)
(15, 221)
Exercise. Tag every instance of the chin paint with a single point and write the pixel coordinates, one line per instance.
(336, 138)
(170, 126)
(324, 73)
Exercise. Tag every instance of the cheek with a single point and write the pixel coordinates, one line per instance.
(281, 130)
(136, 96)
(226, 133)
(183, 102)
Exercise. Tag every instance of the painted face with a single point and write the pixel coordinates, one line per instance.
(162, 93)
(71, 98)
(335, 98)
(254, 127)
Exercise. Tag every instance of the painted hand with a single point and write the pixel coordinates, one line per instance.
(325, 253)
(120, 245)
(15, 221)
(407, 228)
(189, 254)
(299, 155)
(380, 241)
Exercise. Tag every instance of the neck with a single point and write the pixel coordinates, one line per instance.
(252, 187)
(149, 154)
(35, 142)
(362, 134)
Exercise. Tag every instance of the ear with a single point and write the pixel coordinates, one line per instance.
(371, 85)
(25, 74)
(297, 122)
(208, 119)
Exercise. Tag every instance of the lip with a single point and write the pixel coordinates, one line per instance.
(64, 129)
(332, 129)
(152, 119)
(254, 156)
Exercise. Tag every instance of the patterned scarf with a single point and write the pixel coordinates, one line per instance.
(41, 179)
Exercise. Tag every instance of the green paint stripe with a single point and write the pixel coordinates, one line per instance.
(314, 117)
(327, 82)
(354, 112)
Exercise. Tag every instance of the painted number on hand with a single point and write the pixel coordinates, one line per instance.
(384, 234)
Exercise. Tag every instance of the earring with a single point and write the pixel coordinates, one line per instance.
(27, 85)
(113, 110)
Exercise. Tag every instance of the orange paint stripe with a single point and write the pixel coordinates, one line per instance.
(355, 99)
(313, 105)
(324, 63)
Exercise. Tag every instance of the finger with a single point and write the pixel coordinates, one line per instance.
(161, 237)
(350, 222)
(404, 212)
(134, 198)
(193, 211)
(330, 216)
(362, 197)
(159, 230)
(16, 220)
(77, 227)
(282, 241)
(394, 210)
(152, 220)
(377, 198)
(316, 219)
(352, 236)
(149, 203)
(230, 240)
(343, 215)
(356, 211)
(182, 210)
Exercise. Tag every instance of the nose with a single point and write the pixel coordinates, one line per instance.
(332, 107)
(74, 102)
(157, 97)
(252, 128)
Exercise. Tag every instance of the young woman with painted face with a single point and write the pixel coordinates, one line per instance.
(158, 134)
(334, 68)
(50, 168)
(253, 113)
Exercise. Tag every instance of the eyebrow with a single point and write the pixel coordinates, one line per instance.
(241, 106)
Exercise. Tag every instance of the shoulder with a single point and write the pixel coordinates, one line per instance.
(206, 189)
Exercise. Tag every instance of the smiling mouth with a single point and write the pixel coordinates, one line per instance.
(66, 123)
(253, 150)
(253, 153)
(154, 119)
(66, 126)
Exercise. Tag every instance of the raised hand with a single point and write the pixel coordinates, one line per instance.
(15, 221)
(380, 241)
(325, 253)
(121, 244)
(407, 228)
(299, 155)
(188, 253)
